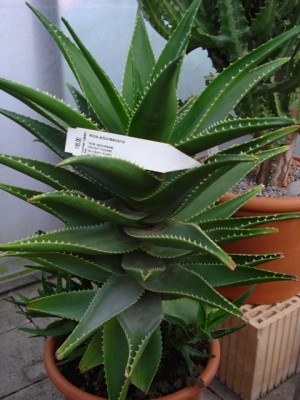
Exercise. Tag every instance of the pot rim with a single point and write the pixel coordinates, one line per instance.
(272, 205)
(63, 385)
(268, 204)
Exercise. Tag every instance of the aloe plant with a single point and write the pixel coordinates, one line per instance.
(230, 29)
(137, 243)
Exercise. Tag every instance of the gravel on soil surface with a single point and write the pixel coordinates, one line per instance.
(292, 189)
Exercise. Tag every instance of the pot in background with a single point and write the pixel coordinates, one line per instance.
(285, 241)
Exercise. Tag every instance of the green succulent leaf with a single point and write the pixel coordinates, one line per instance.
(84, 106)
(116, 353)
(182, 236)
(240, 228)
(94, 240)
(99, 90)
(141, 319)
(142, 266)
(219, 333)
(73, 264)
(211, 190)
(226, 235)
(202, 114)
(104, 98)
(139, 65)
(177, 186)
(57, 328)
(180, 281)
(121, 177)
(246, 260)
(82, 209)
(228, 98)
(262, 142)
(217, 275)
(46, 102)
(50, 175)
(185, 309)
(155, 115)
(148, 363)
(139, 323)
(164, 252)
(217, 317)
(228, 208)
(238, 223)
(52, 137)
(177, 44)
(224, 131)
(70, 305)
(21, 193)
(115, 296)
(54, 203)
(252, 260)
(217, 185)
(93, 355)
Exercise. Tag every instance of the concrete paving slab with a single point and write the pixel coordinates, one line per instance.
(43, 390)
(287, 390)
(21, 361)
(28, 290)
(222, 391)
(46, 391)
(8, 311)
(209, 395)
(9, 317)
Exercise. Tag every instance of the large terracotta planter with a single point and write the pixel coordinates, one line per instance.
(71, 392)
(285, 241)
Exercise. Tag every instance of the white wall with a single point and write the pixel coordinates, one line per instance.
(28, 55)
(105, 26)
(297, 151)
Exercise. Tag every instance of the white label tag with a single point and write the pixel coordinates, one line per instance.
(212, 151)
(153, 156)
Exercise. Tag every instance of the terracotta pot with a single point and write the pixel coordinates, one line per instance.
(285, 241)
(71, 392)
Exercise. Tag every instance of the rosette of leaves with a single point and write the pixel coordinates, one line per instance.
(138, 243)
(230, 29)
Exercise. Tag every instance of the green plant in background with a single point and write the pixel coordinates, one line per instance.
(231, 29)
(140, 246)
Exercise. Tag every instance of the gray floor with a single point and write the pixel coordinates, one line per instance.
(22, 375)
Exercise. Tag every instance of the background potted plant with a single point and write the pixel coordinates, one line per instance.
(140, 247)
(228, 30)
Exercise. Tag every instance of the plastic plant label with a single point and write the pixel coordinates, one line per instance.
(151, 155)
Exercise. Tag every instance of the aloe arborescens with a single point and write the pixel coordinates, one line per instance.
(138, 245)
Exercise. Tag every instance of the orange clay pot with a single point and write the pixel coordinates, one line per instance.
(285, 241)
(71, 392)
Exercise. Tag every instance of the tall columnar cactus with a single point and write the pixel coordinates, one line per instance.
(229, 29)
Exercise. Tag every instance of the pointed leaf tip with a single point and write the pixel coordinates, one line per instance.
(231, 265)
